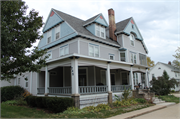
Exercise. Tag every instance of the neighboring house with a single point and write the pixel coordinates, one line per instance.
(172, 71)
(90, 60)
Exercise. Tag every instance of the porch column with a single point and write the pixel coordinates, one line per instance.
(46, 80)
(30, 87)
(108, 82)
(75, 81)
(146, 79)
(132, 82)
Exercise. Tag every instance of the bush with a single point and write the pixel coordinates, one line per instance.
(39, 102)
(126, 93)
(128, 102)
(56, 104)
(31, 101)
(10, 102)
(98, 108)
(140, 100)
(10, 92)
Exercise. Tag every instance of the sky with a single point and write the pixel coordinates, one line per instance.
(157, 20)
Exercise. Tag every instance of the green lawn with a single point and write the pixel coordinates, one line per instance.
(169, 98)
(8, 111)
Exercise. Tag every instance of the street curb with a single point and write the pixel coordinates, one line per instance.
(145, 112)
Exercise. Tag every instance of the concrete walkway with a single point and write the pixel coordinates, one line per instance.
(141, 111)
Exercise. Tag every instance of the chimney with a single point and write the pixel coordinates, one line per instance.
(169, 62)
(112, 25)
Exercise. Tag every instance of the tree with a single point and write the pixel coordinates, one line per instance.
(176, 62)
(18, 33)
(150, 63)
(162, 85)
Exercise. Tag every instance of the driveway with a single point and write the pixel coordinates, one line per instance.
(171, 112)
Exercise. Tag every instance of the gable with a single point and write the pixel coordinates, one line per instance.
(52, 20)
(100, 19)
(132, 28)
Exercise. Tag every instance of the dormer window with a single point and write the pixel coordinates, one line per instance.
(57, 32)
(132, 39)
(100, 31)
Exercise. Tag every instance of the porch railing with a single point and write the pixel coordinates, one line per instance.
(92, 89)
(59, 90)
(41, 90)
(115, 88)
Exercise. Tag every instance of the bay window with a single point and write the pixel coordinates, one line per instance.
(133, 58)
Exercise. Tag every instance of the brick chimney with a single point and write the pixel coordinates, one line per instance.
(169, 62)
(112, 24)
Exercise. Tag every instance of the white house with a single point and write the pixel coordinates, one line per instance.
(90, 60)
(172, 71)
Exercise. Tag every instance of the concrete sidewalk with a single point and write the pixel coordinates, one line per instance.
(141, 111)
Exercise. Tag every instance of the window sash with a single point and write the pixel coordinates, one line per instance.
(133, 58)
(123, 56)
(64, 51)
(57, 35)
(49, 39)
(93, 51)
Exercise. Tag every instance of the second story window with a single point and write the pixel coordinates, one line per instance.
(133, 58)
(26, 82)
(132, 39)
(49, 36)
(64, 50)
(100, 31)
(142, 59)
(49, 53)
(123, 56)
(111, 56)
(57, 32)
(93, 50)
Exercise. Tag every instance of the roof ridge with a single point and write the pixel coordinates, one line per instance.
(68, 14)
(124, 20)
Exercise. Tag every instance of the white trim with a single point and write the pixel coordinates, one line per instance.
(86, 68)
(59, 30)
(78, 46)
(133, 39)
(94, 45)
(125, 55)
(101, 29)
(123, 39)
(112, 55)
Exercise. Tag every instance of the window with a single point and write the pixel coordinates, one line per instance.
(132, 26)
(153, 76)
(103, 77)
(143, 78)
(49, 53)
(135, 77)
(100, 31)
(18, 80)
(57, 32)
(175, 74)
(93, 50)
(123, 56)
(133, 58)
(64, 50)
(26, 81)
(142, 59)
(111, 56)
(132, 38)
(49, 36)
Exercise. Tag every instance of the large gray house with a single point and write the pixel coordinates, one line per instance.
(90, 60)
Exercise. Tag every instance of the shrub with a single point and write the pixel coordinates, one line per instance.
(56, 104)
(140, 100)
(98, 108)
(10, 92)
(26, 93)
(10, 102)
(31, 101)
(126, 93)
(39, 102)
(117, 98)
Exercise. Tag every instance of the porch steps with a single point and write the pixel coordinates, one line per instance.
(156, 100)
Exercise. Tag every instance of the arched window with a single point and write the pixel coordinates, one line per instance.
(132, 39)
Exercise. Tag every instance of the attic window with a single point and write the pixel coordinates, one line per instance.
(132, 26)
(100, 31)
(49, 33)
(132, 38)
(159, 68)
(57, 32)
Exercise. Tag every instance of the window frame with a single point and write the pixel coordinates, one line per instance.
(124, 57)
(63, 47)
(26, 82)
(94, 46)
(101, 29)
(111, 55)
(49, 35)
(132, 39)
(142, 58)
(133, 54)
(50, 57)
(57, 30)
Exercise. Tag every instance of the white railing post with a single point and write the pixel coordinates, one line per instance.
(132, 82)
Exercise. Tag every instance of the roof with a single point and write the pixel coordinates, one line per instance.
(171, 67)
(77, 25)
(90, 20)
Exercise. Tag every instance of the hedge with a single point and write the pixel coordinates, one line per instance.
(10, 92)
(54, 104)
